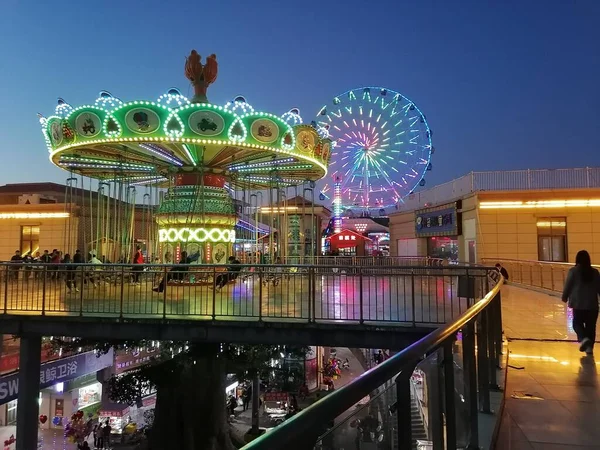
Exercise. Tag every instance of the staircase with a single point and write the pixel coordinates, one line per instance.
(418, 427)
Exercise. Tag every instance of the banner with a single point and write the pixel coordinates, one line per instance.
(57, 371)
(9, 362)
(132, 359)
(438, 222)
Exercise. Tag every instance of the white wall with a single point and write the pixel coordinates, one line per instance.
(469, 233)
(407, 247)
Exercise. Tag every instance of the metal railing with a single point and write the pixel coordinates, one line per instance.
(550, 276)
(323, 293)
(459, 367)
(411, 261)
(509, 180)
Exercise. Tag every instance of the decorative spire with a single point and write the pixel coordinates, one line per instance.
(201, 76)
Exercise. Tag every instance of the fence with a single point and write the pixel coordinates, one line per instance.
(460, 367)
(410, 261)
(319, 293)
(550, 276)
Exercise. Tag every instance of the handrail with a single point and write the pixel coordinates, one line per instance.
(344, 398)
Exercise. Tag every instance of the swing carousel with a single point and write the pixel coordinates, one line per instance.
(199, 165)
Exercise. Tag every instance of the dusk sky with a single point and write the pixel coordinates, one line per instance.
(504, 84)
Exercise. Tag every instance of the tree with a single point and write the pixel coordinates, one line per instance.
(189, 380)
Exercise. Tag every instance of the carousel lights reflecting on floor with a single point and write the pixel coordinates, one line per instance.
(186, 234)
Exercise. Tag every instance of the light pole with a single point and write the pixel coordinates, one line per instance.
(312, 218)
(256, 210)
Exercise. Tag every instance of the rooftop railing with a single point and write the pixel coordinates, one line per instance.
(509, 180)
(343, 292)
(387, 407)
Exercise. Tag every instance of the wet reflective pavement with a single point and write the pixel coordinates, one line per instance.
(552, 390)
(391, 298)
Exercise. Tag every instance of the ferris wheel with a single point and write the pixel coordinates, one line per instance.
(382, 148)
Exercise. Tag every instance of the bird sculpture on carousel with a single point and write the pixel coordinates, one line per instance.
(201, 76)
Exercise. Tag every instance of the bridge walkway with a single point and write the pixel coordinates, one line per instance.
(552, 390)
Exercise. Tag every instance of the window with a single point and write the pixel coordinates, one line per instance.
(11, 413)
(552, 239)
(30, 239)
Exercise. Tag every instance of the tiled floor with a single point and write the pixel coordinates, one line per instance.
(560, 385)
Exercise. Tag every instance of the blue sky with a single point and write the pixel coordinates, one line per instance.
(504, 84)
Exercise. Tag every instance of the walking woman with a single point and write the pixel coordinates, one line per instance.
(581, 293)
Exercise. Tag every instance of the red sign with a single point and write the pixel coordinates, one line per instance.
(276, 397)
(59, 407)
(114, 413)
(10, 362)
(132, 359)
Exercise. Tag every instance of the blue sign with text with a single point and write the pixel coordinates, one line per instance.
(57, 371)
(441, 222)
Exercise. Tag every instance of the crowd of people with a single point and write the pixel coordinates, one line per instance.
(56, 266)
(53, 266)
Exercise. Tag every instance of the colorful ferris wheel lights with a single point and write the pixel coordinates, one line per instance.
(383, 146)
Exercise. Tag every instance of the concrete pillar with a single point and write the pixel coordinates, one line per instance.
(29, 389)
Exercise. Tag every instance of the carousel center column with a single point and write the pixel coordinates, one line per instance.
(197, 215)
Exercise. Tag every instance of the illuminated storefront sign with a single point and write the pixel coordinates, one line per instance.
(540, 204)
(195, 235)
(438, 222)
(58, 371)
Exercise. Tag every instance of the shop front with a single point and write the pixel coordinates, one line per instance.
(348, 243)
(61, 382)
(441, 227)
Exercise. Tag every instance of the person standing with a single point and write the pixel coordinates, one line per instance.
(78, 257)
(105, 432)
(580, 292)
(138, 267)
(246, 397)
(70, 269)
(502, 271)
(55, 261)
(17, 260)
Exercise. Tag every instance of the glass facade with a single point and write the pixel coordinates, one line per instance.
(552, 239)
(442, 247)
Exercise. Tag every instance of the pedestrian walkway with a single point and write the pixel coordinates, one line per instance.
(552, 390)
(243, 419)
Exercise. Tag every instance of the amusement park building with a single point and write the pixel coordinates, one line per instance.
(536, 215)
(46, 216)
(297, 220)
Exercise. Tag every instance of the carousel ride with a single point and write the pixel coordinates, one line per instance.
(198, 163)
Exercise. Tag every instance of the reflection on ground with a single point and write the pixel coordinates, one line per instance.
(552, 391)
(339, 297)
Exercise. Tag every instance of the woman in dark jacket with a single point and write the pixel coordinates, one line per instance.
(581, 290)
